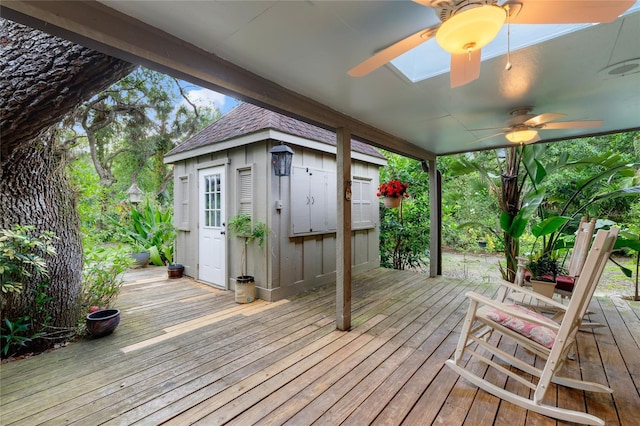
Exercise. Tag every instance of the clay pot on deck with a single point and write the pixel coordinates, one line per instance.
(175, 270)
(103, 322)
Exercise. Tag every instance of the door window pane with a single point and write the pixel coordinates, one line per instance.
(212, 201)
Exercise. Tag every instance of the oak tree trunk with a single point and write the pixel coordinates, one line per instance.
(42, 79)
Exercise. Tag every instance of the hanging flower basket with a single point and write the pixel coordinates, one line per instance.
(393, 192)
(391, 202)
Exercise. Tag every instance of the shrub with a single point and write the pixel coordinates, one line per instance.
(102, 275)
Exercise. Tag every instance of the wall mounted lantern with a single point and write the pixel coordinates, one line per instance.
(134, 193)
(281, 156)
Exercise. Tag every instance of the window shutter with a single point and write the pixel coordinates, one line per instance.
(182, 203)
(361, 205)
(245, 192)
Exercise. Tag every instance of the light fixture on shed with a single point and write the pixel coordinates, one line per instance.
(281, 156)
(521, 135)
(471, 28)
(134, 193)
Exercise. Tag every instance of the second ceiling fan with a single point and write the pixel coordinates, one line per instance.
(523, 127)
(469, 25)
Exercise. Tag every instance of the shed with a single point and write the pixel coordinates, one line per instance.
(225, 170)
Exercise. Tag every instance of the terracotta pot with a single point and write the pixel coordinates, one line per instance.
(103, 322)
(544, 288)
(391, 202)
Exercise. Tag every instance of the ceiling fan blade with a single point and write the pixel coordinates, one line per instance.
(392, 52)
(535, 139)
(489, 136)
(569, 11)
(543, 118)
(465, 68)
(585, 124)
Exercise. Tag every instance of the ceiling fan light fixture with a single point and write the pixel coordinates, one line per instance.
(521, 135)
(471, 28)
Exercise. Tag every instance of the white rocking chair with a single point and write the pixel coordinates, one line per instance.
(538, 334)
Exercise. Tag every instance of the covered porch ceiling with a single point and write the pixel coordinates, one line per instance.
(293, 56)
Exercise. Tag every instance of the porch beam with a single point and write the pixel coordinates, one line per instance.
(96, 26)
(343, 243)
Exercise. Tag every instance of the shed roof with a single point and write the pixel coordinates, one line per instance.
(247, 118)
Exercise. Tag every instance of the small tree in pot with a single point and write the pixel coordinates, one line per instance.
(241, 227)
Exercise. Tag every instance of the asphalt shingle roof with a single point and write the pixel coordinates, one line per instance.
(247, 118)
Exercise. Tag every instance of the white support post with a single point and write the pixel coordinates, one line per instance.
(343, 243)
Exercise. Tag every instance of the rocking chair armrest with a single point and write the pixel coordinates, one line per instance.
(479, 298)
(533, 294)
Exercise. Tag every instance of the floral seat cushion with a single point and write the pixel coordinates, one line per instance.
(536, 332)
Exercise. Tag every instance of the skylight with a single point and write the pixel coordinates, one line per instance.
(429, 59)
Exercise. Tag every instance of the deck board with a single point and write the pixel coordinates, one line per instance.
(187, 353)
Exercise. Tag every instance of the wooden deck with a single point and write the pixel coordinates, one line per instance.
(186, 353)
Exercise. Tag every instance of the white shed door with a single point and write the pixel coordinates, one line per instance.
(212, 238)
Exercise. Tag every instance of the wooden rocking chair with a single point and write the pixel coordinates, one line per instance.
(538, 334)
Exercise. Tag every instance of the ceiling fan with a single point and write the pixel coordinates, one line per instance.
(469, 25)
(523, 127)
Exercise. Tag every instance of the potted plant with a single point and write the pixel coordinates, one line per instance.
(241, 227)
(393, 192)
(175, 270)
(149, 230)
(543, 267)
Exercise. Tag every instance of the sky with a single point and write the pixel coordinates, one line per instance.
(206, 97)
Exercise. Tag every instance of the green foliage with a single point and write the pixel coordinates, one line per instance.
(242, 227)
(15, 335)
(404, 232)
(95, 202)
(131, 125)
(22, 255)
(102, 275)
(543, 267)
(149, 227)
(556, 184)
(404, 237)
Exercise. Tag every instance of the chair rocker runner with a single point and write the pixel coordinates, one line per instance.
(542, 336)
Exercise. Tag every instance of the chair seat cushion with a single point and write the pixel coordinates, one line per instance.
(565, 283)
(536, 332)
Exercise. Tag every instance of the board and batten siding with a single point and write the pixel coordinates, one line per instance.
(291, 262)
